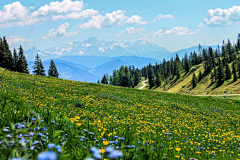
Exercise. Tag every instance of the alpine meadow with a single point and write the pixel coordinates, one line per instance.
(119, 80)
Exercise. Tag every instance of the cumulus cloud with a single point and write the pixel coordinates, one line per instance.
(60, 32)
(135, 19)
(115, 18)
(222, 17)
(15, 39)
(77, 15)
(16, 14)
(131, 30)
(161, 16)
(66, 6)
(13, 12)
(179, 31)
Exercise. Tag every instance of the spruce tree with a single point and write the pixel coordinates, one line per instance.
(53, 72)
(22, 65)
(15, 59)
(194, 80)
(1, 53)
(111, 80)
(151, 76)
(158, 79)
(220, 74)
(228, 72)
(234, 71)
(38, 67)
(238, 68)
(104, 80)
(199, 76)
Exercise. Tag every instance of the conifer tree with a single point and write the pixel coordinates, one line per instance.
(111, 80)
(238, 68)
(186, 63)
(220, 73)
(42, 70)
(22, 65)
(194, 80)
(151, 76)
(228, 72)
(234, 71)
(104, 80)
(158, 79)
(98, 81)
(53, 72)
(199, 76)
(15, 59)
(1, 53)
(38, 67)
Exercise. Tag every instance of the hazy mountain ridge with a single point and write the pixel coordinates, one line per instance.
(95, 47)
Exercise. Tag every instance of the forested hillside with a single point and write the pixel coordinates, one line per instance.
(209, 70)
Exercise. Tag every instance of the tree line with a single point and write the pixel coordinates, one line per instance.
(216, 62)
(17, 61)
(126, 76)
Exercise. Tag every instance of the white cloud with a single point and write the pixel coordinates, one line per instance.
(161, 16)
(115, 18)
(13, 12)
(135, 19)
(16, 14)
(60, 32)
(15, 39)
(222, 17)
(131, 30)
(66, 6)
(200, 25)
(179, 31)
(77, 15)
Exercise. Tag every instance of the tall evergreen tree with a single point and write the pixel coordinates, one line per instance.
(199, 76)
(104, 80)
(158, 79)
(194, 80)
(22, 65)
(234, 71)
(15, 59)
(52, 71)
(228, 72)
(220, 74)
(111, 79)
(151, 76)
(38, 66)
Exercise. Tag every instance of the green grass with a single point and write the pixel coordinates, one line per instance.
(200, 127)
(204, 86)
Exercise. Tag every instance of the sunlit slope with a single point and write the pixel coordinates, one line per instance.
(136, 115)
(204, 86)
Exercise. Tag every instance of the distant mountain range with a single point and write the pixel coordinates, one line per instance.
(73, 67)
(88, 60)
(95, 47)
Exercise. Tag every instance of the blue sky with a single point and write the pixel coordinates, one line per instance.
(174, 24)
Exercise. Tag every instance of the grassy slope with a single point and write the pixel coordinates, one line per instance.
(139, 115)
(183, 85)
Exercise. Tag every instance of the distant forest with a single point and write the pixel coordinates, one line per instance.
(216, 62)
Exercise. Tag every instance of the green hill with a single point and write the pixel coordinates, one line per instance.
(204, 86)
(142, 124)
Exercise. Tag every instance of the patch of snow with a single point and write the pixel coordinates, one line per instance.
(101, 49)
(88, 45)
(81, 53)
